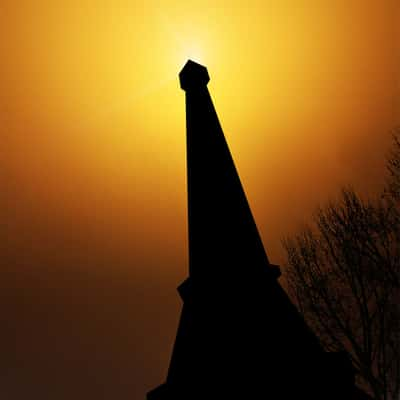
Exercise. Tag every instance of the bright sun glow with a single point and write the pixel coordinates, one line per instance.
(194, 53)
(97, 118)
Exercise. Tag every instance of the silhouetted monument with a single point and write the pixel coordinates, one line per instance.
(239, 335)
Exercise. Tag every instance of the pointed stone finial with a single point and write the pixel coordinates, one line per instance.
(193, 75)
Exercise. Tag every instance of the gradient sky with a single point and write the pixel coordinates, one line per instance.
(93, 181)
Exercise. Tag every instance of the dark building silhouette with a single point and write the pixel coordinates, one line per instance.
(239, 335)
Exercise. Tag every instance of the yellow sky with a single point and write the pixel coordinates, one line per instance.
(93, 127)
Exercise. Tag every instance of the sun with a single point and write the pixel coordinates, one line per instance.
(180, 41)
(192, 51)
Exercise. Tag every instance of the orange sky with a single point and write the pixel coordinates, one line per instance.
(93, 178)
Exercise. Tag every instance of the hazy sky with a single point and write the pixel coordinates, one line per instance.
(93, 181)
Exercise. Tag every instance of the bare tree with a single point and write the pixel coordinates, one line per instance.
(343, 273)
(393, 166)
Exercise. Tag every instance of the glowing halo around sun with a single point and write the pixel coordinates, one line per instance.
(97, 117)
(194, 50)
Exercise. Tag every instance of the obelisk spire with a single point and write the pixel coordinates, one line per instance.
(239, 335)
(223, 236)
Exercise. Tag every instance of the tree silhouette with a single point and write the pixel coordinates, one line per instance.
(343, 273)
